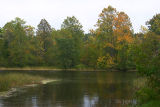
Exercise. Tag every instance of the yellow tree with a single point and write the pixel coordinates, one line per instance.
(122, 29)
(104, 37)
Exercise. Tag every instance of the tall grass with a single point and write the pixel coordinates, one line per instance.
(10, 80)
(154, 103)
(140, 82)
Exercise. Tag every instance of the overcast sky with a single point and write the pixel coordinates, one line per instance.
(86, 11)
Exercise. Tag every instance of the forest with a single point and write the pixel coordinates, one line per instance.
(113, 44)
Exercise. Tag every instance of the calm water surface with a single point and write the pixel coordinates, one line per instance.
(77, 89)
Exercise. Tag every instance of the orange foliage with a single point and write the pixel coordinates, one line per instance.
(108, 45)
(122, 28)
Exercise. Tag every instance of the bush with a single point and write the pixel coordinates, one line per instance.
(146, 95)
(152, 104)
(80, 66)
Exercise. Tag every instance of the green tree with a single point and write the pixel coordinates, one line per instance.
(2, 61)
(69, 42)
(44, 40)
(89, 53)
(64, 43)
(1, 32)
(154, 24)
(104, 31)
(16, 43)
(146, 56)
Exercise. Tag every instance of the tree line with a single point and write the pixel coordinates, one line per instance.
(113, 44)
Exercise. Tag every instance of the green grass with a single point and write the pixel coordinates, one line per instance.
(10, 80)
(140, 82)
(151, 104)
(77, 68)
(146, 96)
(28, 68)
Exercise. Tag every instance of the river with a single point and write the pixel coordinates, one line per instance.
(77, 89)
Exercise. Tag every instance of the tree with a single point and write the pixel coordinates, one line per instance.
(105, 22)
(104, 31)
(2, 60)
(104, 34)
(66, 50)
(72, 24)
(113, 35)
(43, 33)
(16, 43)
(146, 56)
(89, 53)
(29, 31)
(154, 24)
(1, 33)
(70, 39)
(123, 35)
(122, 28)
(44, 40)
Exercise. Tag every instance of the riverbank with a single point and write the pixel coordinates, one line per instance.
(55, 69)
(10, 92)
(46, 69)
(13, 80)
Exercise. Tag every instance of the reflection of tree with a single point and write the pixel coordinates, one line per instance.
(108, 86)
(77, 89)
(90, 102)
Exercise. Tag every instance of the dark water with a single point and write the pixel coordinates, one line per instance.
(77, 89)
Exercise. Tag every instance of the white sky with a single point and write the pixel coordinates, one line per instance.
(86, 11)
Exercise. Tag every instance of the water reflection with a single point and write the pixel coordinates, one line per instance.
(77, 89)
(90, 102)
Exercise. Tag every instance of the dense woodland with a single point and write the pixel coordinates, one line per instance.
(112, 45)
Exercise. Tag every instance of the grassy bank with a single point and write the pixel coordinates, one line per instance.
(48, 68)
(151, 104)
(29, 68)
(56, 69)
(11, 80)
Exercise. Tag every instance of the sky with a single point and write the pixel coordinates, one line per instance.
(86, 11)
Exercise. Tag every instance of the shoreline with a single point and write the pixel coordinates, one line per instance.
(9, 93)
(58, 69)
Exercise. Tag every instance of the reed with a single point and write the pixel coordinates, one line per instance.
(10, 80)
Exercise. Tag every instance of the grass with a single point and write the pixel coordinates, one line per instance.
(140, 82)
(151, 104)
(28, 68)
(146, 96)
(48, 69)
(11, 80)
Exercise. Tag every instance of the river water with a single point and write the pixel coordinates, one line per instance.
(77, 89)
